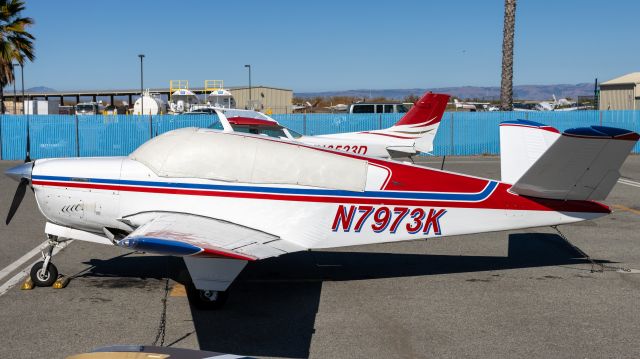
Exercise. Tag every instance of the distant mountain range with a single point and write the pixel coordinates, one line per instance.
(521, 92)
(41, 89)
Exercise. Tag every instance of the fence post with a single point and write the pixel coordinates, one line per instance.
(600, 117)
(380, 121)
(28, 153)
(451, 144)
(304, 124)
(150, 126)
(77, 136)
(1, 119)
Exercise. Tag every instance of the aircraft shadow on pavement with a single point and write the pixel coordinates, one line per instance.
(272, 306)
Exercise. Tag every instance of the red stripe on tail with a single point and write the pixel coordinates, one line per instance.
(429, 108)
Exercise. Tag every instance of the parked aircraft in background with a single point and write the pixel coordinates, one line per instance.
(556, 105)
(563, 102)
(338, 108)
(474, 106)
(306, 105)
(221, 200)
(412, 134)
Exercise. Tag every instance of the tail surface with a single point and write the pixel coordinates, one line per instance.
(579, 164)
(426, 111)
(420, 124)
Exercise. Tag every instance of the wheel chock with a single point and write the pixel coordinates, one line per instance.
(27, 285)
(62, 282)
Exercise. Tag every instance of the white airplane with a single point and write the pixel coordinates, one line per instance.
(556, 105)
(474, 106)
(339, 107)
(412, 134)
(221, 200)
(563, 101)
(306, 105)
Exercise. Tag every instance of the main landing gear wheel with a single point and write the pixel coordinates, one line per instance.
(206, 299)
(43, 277)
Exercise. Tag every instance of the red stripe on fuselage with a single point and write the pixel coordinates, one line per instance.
(499, 199)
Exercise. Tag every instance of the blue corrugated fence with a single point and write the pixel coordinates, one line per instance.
(460, 133)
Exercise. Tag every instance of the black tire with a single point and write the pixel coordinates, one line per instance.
(43, 279)
(201, 301)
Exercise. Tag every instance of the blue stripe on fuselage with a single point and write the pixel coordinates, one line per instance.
(436, 196)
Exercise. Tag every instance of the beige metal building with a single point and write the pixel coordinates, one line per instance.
(621, 93)
(265, 99)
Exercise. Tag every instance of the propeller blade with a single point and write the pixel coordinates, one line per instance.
(17, 199)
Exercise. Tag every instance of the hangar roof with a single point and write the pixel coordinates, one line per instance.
(632, 78)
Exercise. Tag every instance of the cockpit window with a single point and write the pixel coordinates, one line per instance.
(271, 131)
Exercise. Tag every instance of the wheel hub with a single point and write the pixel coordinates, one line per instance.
(43, 275)
(209, 295)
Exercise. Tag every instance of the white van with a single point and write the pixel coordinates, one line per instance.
(378, 108)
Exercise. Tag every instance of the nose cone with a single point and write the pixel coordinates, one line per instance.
(19, 172)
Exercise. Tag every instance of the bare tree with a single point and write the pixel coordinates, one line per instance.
(506, 85)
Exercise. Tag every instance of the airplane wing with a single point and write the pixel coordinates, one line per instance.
(190, 235)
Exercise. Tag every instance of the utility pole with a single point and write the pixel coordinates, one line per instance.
(15, 97)
(24, 106)
(141, 56)
(250, 101)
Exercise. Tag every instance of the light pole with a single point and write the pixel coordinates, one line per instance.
(22, 78)
(250, 102)
(141, 56)
(15, 98)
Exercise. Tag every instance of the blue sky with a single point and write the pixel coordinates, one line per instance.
(327, 45)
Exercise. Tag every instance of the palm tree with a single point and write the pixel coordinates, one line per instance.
(16, 44)
(506, 85)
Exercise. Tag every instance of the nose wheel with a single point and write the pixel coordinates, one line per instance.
(45, 273)
(42, 276)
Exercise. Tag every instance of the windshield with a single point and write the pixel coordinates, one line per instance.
(271, 131)
(204, 110)
(246, 113)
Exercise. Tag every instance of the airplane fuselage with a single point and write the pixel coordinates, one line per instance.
(400, 202)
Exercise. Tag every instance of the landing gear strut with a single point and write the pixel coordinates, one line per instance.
(45, 273)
